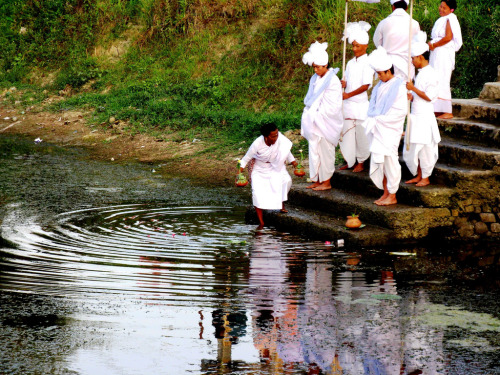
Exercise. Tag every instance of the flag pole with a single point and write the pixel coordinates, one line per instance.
(344, 48)
(408, 121)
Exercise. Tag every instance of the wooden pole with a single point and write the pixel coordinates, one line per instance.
(344, 48)
(408, 121)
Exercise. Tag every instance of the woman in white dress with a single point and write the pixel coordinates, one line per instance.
(446, 39)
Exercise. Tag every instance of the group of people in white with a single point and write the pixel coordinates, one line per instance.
(339, 112)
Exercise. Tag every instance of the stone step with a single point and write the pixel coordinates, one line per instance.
(325, 227)
(491, 90)
(452, 175)
(406, 221)
(474, 130)
(464, 152)
(428, 196)
(487, 110)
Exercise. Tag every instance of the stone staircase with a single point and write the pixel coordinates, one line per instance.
(461, 202)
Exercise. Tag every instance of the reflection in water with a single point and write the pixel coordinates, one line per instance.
(134, 289)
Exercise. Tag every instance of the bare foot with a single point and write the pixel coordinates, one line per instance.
(312, 186)
(423, 182)
(360, 167)
(284, 210)
(344, 167)
(390, 200)
(323, 186)
(446, 116)
(413, 180)
(384, 196)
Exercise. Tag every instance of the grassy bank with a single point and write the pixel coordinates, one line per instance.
(218, 67)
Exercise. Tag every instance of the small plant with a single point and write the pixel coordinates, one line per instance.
(299, 169)
(241, 180)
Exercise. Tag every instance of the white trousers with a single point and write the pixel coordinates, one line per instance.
(354, 143)
(425, 155)
(321, 159)
(388, 166)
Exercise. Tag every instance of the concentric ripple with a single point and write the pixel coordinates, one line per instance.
(149, 251)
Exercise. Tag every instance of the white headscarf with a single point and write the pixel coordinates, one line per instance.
(357, 31)
(316, 55)
(419, 44)
(379, 60)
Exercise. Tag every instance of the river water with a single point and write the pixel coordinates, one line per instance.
(110, 268)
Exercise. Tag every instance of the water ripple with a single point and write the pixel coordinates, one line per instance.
(163, 252)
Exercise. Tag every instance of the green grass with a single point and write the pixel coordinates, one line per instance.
(222, 69)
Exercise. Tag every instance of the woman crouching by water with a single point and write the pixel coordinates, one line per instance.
(266, 159)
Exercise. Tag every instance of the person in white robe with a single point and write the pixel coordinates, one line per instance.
(392, 33)
(322, 119)
(423, 134)
(357, 80)
(446, 40)
(384, 127)
(269, 177)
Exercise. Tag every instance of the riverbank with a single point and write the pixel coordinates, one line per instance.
(171, 154)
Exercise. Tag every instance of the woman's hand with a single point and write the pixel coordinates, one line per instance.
(410, 85)
(343, 83)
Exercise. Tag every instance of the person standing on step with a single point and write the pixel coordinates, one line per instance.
(392, 33)
(267, 158)
(424, 132)
(384, 126)
(322, 120)
(358, 78)
(446, 39)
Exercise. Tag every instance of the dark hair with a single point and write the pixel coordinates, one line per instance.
(451, 3)
(392, 69)
(400, 4)
(427, 55)
(267, 128)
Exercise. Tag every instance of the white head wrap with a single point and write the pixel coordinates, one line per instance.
(317, 54)
(379, 60)
(395, 1)
(419, 44)
(357, 31)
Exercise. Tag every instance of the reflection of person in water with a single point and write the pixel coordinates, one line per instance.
(423, 345)
(318, 322)
(381, 343)
(351, 286)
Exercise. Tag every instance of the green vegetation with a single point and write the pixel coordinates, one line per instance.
(226, 66)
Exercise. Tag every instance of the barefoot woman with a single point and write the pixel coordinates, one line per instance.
(322, 119)
(270, 180)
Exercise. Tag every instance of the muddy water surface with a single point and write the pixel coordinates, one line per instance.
(112, 269)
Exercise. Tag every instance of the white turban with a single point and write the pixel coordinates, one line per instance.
(419, 44)
(379, 60)
(357, 31)
(395, 1)
(316, 55)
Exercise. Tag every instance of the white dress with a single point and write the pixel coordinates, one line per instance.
(270, 179)
(384, 135)
(322, 123)
(392, 33)
(353, 142)
(442, 59)
(424, 131)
